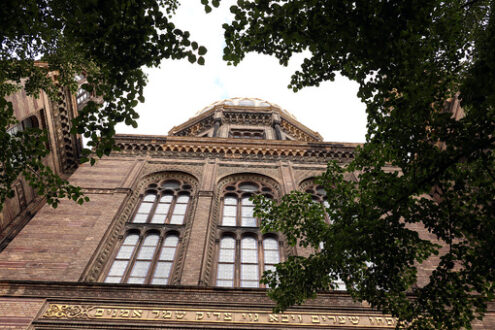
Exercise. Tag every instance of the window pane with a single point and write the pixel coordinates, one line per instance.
(227, 242)
(166, 198)
(136, 280)
(246, 201)
(249, 222)
(172, 184)
(140, 218)
(171, 240)
(145, 207)
(271, 257)
(113, 279)
(249, 243)
(149, 198)
(146, 253)
(229, 211)
(158, 218)
(118, 268)
(162, 208)
(249, 284)
(249, 272)
(247, 211)
(270, 244)
(125, 252)
(249, 256)
(151, 240)
(248, 187)
(177, 219)
(140, 269)
(131, 239)
(225, 271)
(247, 217)
(228, 221)
(230, 201)
(227, 255)
(180, 209)
(163, 270)
(183, 199)
(225, 283)
(159, 281)
(168, 253)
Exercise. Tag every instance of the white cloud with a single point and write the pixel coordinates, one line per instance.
(178, 89)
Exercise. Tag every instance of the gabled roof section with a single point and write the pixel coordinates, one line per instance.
(248, 112)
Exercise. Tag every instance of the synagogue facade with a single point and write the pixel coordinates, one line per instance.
(169, 240)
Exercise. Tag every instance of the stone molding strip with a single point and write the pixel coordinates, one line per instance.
(226, 148)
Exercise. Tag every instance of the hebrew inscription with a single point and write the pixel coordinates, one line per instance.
(176, 315)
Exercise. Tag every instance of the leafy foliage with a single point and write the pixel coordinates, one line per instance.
(421, 168)
(109, 41)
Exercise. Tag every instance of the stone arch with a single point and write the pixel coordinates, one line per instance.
(117, 229)
(221, 183)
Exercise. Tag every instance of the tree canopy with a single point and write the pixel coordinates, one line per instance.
(109, 42)
(410, 59)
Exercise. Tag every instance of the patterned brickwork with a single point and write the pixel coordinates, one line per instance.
(58, 243)
(18, 313)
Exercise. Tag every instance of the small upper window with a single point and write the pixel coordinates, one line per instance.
(168, 205)
(257, 134)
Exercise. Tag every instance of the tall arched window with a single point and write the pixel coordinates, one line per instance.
(243, 253)
(148, 250)
(319, 195)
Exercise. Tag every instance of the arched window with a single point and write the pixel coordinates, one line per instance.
(147, 253)
(249, 262)
(226, 262)
(166, 205)
(318, 194)
(243, 254)
(237, 208)
(30, 122)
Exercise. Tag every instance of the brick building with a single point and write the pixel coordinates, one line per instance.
(54, 117)
(168, 239)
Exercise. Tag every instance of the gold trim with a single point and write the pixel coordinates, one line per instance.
(217, 316)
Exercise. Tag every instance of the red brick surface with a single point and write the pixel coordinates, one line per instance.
(18, 313)
(57, 243)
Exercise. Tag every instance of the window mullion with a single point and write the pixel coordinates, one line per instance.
(237, 263)
(151, 270)
(239, 212)
(153, 209)
(132, 259)
(171, 208)
(261, 259)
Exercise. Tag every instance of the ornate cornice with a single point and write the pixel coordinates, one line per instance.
(224, 148)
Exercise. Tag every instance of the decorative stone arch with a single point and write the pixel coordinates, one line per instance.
(117, 229)
(222, 182)
(307, 182)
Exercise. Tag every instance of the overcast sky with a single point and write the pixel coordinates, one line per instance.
(178, 89)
